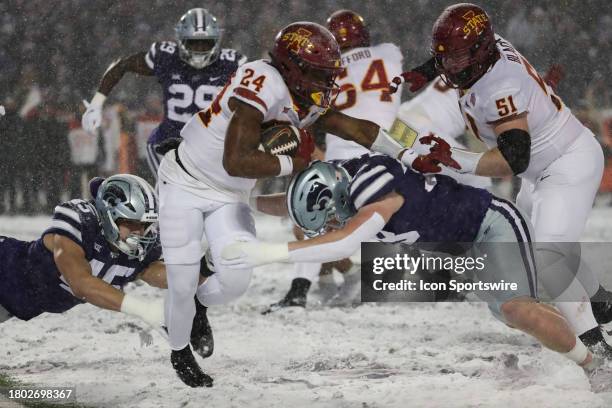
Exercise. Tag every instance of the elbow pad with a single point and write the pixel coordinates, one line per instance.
(515, 146)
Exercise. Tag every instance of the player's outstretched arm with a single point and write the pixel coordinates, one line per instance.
(242, 157)
(135, 63)
(511, 157)
(271, 204)
(72, 264)
(332, 246)
(370, 135)
(155, 275)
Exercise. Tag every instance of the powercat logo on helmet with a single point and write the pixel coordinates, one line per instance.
(296, 40)
(475, 22)
(318, 196)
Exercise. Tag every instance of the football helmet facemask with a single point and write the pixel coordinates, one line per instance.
(199, 38)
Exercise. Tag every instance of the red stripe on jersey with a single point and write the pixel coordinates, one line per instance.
(250, 95)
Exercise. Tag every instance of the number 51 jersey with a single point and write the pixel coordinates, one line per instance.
(187, 89)
(512, 87)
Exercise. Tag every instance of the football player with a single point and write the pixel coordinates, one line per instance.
(191, 71)
(530, 133)
(373, 197)
(363, 93)
(436, 110)
(92, 249)
(205, 183)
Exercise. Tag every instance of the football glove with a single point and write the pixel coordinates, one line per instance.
(307, 145)
(151, 312)
(92, 118)
(417, 77)
(416, 80)
(439, 153)
(554, 75)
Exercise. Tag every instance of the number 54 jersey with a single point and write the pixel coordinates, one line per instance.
(364, 93)
(510, 88)
(257, 84)
(187, 89)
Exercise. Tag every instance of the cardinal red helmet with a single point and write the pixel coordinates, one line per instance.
(308, 57)
(349, 29)
(463, 44)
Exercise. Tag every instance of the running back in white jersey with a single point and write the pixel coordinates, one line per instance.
(257, 84)
(364, 93)
(513, 87)
(436, 110)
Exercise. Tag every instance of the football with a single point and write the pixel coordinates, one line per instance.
(280, 139)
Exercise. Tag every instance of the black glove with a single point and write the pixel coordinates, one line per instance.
(169, 144)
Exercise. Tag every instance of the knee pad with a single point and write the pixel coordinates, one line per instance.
(181, 233)
(183, 279)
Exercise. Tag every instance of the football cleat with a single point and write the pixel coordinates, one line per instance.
(296, 297)
(201, 333)
(601, 304)
(596, 343)
(188, 370)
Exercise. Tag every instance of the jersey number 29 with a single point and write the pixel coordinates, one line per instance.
(183, 96)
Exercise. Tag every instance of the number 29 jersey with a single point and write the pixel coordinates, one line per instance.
(187, 89)
(512, 87)
(255, 83)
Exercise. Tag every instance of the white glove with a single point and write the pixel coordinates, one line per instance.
(150, 311)
(245, 255)
(2, 111)
(92, 118)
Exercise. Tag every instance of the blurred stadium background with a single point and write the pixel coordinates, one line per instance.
(53, 53)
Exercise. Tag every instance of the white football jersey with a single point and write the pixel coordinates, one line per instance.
(364, 93)
(512, 87)
(436, 110)
(258, 84)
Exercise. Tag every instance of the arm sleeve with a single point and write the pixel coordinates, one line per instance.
(374, 180)
(347, 246)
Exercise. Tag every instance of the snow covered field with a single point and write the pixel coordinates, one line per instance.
(387, 355)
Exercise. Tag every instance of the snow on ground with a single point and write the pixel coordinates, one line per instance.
(375, 355)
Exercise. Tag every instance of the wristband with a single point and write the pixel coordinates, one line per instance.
(577, 354)
(467, 160)
(286, 165)
(407, 157)
(384, 143)
(98, 100)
